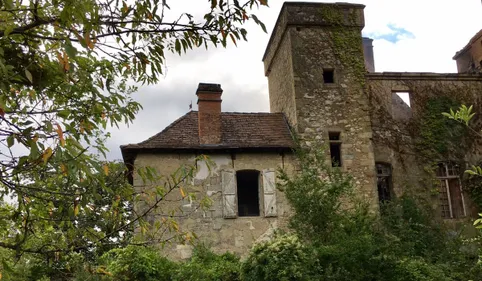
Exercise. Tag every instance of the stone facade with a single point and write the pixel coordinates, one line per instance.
(469, 59)
(304, 45)
(329, 93)
(221, 233)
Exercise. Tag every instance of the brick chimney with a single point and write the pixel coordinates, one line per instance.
(209, 115)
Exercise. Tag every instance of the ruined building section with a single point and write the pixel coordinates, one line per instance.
(469, 59)
(410, 138)
(315, 67)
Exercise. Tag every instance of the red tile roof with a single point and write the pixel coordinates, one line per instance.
(239, 130)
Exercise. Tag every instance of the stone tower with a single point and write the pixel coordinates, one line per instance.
(316, 74)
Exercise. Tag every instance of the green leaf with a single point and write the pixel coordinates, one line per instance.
(8, 4)
(29, 75)
(10, 141)
(8, 30)
(70, 50)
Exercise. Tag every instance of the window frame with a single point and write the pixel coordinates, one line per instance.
(450, 174)
(259, 193)
(388, 176)
(334, 139)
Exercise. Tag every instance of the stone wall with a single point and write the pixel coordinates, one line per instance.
(397, 140)
(221, 234)
(320, 37)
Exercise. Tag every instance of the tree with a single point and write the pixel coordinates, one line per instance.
(66, 73)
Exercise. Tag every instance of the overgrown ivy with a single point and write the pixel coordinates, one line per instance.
(439, 138)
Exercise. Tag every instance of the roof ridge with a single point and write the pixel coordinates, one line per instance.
(246, 113)
(167, 128)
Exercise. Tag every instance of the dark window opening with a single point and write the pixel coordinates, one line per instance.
(248, 193)
(328, 76)
(335, 152)
(384, 182)
(334, 136)
(335, 148)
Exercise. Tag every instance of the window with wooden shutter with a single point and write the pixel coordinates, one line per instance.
(269, 192)
(228, 178)
(248, 193)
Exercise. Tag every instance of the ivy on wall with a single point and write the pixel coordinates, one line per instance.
(439, 138)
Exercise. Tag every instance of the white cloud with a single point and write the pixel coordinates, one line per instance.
(439, 28)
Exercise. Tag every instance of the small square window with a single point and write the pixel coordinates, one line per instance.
(328, 76)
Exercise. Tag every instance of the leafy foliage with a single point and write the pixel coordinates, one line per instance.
(204, 265)
(66, 74)
(283, 258)
(137, 263)
(352, 243)
(440, 138)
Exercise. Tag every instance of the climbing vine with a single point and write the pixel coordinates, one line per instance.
(440, 138)
(347, 42)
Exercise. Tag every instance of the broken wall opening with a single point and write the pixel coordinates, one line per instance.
(401, 105)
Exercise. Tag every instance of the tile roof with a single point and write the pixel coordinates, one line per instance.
(239, 130)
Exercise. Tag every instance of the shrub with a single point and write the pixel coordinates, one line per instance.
(205, 265)
(283, 258)
(138, 263)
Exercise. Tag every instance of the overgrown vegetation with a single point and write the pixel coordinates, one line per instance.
(333, 235)
(440, 138)
(67, 72)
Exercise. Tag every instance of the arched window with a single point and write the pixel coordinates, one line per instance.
(248, 193)
(384, 181)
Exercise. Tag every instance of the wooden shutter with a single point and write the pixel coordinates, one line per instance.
(228, 178)
(269, 192)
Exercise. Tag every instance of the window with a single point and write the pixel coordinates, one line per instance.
(401, 106)
(452, 203)
(384, 181)
(248, 193)
(328, 76)
(335, 148)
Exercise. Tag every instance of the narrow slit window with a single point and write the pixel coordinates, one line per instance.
(248, 193)
(384, 182)
(328, 76)
(401, 105)
(335, 148)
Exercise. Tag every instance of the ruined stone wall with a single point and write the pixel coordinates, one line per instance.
(469, 59)
(322, 38)
(221, 234)
(399, 141)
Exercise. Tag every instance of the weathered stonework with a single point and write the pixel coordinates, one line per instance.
(221, 234)
(395, 141)
(374, 125)
(308, 39)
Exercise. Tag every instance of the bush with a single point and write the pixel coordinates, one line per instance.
(284, 258)
(138, 263)
(205, 265)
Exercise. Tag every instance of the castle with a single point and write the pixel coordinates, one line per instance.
(379, 127)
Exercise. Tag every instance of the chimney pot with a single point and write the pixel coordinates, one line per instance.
(209, 113)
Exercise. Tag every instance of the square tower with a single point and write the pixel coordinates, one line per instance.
(316, 74)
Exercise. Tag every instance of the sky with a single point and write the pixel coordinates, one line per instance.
(409, 35)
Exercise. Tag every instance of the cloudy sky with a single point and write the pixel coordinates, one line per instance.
(410, 35)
